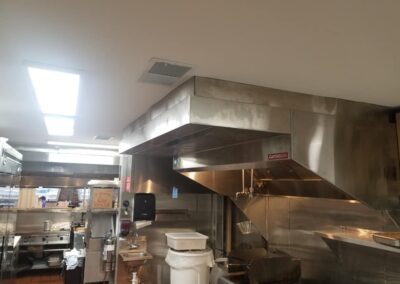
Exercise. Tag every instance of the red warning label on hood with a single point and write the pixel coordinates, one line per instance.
(278, 156)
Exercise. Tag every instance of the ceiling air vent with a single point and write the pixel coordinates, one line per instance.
(164, 72)
(103, 137)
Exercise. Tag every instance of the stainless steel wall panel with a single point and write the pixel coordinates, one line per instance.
(152, 174)
(246, 245)
(291, 223)
(204, 216)
(313, 214)
(310, 215)
(156, 240)
(392, 268)
(245, 93)
(278, 223)
(316, 189)
(307, 216)
(366, 160)
(199, 218)
(219, 220)
(224, 113)
(191, 210)
(93, 267)
(363, 265)
(222, 182)
(313, 143)
(255, 210)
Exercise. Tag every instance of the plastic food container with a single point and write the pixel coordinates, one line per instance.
(186, 241)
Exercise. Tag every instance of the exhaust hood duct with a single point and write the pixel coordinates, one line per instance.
(297, 144)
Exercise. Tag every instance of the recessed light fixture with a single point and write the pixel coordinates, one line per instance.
(81, 159)
(93, 152)
(57, 92)
(83, 145)
(59, 125)
(76, 155)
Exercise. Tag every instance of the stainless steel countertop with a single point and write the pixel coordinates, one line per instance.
(355, 236)
(44, 210)
(41, 233)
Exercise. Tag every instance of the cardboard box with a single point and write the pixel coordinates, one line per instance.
(102, 198)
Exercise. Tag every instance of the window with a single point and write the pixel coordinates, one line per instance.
(51, 194)
(83, 194)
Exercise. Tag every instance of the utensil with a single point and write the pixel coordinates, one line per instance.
(245, 227)
(387, 238)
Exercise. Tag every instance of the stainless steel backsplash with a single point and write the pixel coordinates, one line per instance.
(289, 224)
(189, 212)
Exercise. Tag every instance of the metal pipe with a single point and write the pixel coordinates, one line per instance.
(228, 226)
(243, 189)
(243, 192)
(251, 189)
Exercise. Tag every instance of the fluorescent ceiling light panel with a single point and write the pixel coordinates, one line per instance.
(59, 126)
(57, 92)
(80, 159)
(83, 145)
(73, 151)
(87, 152)
(36, 149)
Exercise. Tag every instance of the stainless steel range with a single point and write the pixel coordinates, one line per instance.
(46, 238)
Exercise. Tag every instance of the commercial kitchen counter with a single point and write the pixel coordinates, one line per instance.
(356, 236)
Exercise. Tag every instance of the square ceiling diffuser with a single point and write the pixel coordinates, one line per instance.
(164, 72)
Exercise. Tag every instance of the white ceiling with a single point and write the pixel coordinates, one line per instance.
(344, 48)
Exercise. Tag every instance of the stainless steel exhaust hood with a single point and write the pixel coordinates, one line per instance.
(298, 144)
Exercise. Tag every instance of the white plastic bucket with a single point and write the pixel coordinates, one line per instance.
(190, 267)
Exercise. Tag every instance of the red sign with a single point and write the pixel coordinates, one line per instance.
(127, 184)
(278, 156)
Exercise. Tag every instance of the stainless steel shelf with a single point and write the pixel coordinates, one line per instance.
(51, 210)
(356, 236)
(104, 211)
(46, 250)
(8, 210)
(41, 264)
(41, 232)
